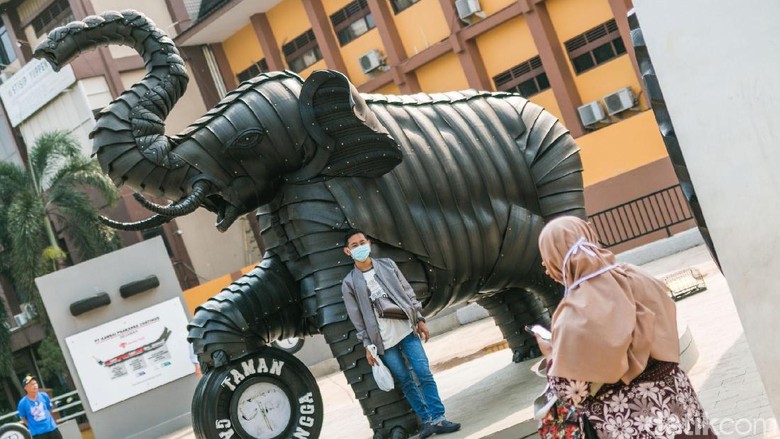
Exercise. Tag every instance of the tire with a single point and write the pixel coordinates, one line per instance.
(289, 345)
(226, 403)
(14, 431)
(512, 310)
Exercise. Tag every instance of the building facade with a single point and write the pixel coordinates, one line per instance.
(573, 57)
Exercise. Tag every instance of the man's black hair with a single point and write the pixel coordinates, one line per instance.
(350, 233)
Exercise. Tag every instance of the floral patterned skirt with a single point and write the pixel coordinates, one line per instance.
(659, 403)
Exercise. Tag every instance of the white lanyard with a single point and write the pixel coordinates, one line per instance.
(586, 247)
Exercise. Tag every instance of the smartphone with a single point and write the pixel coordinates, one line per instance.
(539, 330)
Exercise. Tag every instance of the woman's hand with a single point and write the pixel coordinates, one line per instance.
(546, 347)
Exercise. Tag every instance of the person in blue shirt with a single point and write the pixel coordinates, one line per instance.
(35, 411)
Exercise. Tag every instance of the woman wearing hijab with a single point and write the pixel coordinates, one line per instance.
(614, 351)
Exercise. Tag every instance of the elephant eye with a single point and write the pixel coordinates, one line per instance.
(247, 139)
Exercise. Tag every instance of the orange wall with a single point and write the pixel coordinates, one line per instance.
(573, 17)
(195, 296)
(506, 46)
(547, 100)
(243, 49)
(620, 148)
(353, 50)
(490, 7)
(442, 74)
(421, 25)
(389, 89)
(288, 20)
(607, 78)
(319, 65)
(332, 6)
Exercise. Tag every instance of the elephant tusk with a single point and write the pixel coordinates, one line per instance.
(183, 207)
(151, 222)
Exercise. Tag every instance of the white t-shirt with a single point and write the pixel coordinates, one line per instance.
(392, 331)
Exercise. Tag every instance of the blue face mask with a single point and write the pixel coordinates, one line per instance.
(361, 252)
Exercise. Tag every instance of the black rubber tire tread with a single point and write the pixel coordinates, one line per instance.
(211, 400)
(261, 306)
(512, 310)
(16, 428)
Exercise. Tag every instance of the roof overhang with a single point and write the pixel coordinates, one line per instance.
(224, 22)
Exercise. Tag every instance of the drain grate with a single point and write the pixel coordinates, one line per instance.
(685, 282)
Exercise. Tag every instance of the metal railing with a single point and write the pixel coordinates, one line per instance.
(642, 216)
(14, 416)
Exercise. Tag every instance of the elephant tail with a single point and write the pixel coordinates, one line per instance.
(262, 306)
(554, 162)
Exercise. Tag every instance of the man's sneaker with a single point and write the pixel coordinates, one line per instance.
(426, 432)
(445, 426)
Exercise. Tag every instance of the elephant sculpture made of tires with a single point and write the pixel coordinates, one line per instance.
(455, 187)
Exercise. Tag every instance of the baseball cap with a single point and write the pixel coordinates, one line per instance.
(26, 380)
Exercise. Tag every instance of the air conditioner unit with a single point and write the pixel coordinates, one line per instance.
(20, 319)
(29, 311)
(469, 8)
(591, 113)
(371, 61)
(619, 101)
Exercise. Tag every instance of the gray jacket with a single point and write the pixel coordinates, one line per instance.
(359, 308)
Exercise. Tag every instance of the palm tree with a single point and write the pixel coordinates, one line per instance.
(50, 187)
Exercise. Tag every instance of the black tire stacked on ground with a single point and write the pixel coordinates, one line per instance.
(385, 410)
(15, 431)
(512, 310)
(213, 402)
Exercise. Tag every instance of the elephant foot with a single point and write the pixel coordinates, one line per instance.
(519, 356)
(398, 433)
(269, 394)
(512, 310)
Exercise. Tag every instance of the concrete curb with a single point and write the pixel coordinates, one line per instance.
(662, 248)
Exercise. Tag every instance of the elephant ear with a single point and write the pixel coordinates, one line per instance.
(351, 142)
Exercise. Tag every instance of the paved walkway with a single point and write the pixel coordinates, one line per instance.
(491, 396)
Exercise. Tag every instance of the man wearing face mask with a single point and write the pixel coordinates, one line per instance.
(385, 311)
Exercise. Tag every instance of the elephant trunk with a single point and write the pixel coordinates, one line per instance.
(129, 137)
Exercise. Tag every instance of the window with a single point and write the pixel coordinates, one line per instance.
(302, 51)
(352, 21)
(595, 47)
(56, 14)
(7, 53)
(253, 70)
(400, 5)
(527, 78)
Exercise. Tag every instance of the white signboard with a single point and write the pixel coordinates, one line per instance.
(32, 87)
(131, 355)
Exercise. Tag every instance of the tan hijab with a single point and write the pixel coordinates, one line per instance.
(613, 318)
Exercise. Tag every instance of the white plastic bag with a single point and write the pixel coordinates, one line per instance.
(382, 374)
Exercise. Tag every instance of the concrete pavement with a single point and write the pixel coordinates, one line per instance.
(492, 397)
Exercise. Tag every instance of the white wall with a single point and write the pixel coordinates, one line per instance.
(69, 111)
(717, 62)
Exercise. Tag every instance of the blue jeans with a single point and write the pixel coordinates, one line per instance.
(424, 399)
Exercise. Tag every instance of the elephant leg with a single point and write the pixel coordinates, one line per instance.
(388, 413)
(250, 390)
(262, 306)
(512, 310)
